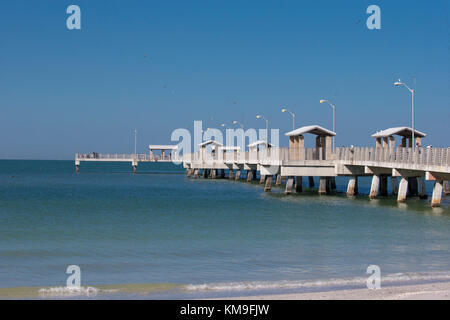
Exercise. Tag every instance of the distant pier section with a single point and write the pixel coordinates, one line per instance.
(157, 153)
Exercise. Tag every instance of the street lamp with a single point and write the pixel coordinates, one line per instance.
(135, 141)
(267, 128)
(334, 119)
(400, 83)
(243, 133)
(293, 117)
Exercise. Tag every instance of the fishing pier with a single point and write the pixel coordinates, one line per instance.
(405, 167)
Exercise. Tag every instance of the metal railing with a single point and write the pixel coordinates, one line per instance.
(124, 157)
(420, 156)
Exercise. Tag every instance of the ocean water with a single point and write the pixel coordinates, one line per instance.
(157, 234)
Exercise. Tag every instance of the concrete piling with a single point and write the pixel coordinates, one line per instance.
(298, 184)
(196, 172)
(421, 187)
(289, 185)
(383, 185)
(268, 185)
(231, 174)
(333, 183)
(402, 190)
(394, 185)
(352, 188)
(278, 181)
(77, 168)
(213, 174)
(311, 182)
(447, 187)
(412, 186)
(374, 187)
(323, 185)
(134, 169)
(238, 175)
(249, 175)
(262, 179)
(437, 194)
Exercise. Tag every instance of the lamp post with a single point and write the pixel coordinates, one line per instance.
(267, 128)
(135, 141)
(243, 133)
(293, 117)
(334, 119)
(400, 83)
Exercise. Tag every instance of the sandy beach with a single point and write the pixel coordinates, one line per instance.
(433, 291)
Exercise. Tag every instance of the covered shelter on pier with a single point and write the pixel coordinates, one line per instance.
(166, 150)
(297, 142)
(385, 138)
(255, 146)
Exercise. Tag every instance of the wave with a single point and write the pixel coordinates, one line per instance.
(390, 279)
(170, 289)
(68, 291)
(85, 291)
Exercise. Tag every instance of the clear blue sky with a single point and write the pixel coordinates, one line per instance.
(160, 65)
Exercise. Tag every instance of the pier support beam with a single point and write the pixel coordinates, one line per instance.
(374, 187)
(262, 179)
(249, 175)
(238, 175)
(352, 188)
(278, 182)
(205, 173)
(231, 174)
(323, 185)
(188, 172)
(394, 185)
(412, 186)
(268, 185)
(213, 174)
(134, 169)
(446, 187)
(298, 184)
(77, 168)
(196, 171)
(402, 190)
(437, 194)
(333, 183)
(421, 187)
(311, 182)
(289, 185)
(383, 185)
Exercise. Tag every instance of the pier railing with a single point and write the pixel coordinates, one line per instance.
(123, 157)
(420, 156)
(265, 156)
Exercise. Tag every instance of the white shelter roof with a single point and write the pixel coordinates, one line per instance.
(162, 147)
(259, 143)
(400, 131)
(314, 129)
(230, 148)
(210, 142)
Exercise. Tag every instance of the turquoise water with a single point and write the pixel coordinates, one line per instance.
(205, 237)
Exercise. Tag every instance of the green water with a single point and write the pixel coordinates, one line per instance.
(158, 231)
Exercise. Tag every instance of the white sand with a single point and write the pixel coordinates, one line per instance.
(434, 291)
